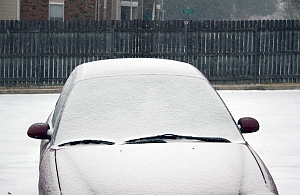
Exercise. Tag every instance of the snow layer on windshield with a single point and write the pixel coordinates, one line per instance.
(126, 107)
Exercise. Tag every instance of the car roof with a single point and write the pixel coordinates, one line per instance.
(135, 66)
(146, 97)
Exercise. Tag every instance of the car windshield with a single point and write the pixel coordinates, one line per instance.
(120, 108)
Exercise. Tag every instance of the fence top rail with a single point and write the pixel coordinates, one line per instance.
(193, 25)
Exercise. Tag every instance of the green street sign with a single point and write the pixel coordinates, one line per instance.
(188, 11)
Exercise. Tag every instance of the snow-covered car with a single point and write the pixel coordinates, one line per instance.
(146, 126)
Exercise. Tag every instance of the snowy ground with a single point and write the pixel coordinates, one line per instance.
(277, 143)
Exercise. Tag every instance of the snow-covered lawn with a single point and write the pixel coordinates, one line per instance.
(277, 143)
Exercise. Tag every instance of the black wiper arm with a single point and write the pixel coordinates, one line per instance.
(87, 141)
(210, 139)
(162, 138)
(145, 141)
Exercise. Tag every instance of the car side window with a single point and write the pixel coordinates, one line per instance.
(60, 102)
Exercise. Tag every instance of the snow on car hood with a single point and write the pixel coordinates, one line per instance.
(160, 168)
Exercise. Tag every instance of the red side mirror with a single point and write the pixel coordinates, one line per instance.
(38, 131)
(248, 125)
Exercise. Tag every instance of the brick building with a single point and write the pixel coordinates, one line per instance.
(88, 9)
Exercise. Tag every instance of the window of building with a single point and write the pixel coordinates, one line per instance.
(56, 11)
(129, 9)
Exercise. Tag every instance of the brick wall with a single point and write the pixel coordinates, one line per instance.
(76, 9)
(79, 10)
(34, 10)
(73, 10)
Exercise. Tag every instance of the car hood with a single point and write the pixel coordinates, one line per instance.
(159, 168)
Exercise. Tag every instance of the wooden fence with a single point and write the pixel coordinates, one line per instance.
(45, 52)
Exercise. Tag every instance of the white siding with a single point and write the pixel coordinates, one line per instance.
(116, 10)
(9, 10)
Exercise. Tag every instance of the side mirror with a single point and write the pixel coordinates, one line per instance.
(248, 125)
(38, 131)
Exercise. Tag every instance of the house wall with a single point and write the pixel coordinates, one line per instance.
(145, 9)
(115, 9)
(34, 10)
(80, 10)
(9, 10)
(108, 9)
(73, 9)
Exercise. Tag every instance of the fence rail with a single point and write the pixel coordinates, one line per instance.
(45, 52)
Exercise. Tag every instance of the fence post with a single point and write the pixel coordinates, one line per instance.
(39, 74)
(112, 47)
(255, 63)
(186, 23)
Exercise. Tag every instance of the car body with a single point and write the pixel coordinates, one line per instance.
(146, 126)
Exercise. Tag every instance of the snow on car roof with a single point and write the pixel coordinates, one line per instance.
(131, 66)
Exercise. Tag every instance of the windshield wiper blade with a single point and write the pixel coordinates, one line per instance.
(162, 138)
(208, 139)
(87, 141)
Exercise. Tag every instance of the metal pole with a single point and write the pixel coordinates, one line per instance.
(104, 10)
(130, 9)
(96, 6)
(162, 10)
(142, 10)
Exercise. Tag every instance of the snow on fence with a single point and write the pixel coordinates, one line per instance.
(45, 52)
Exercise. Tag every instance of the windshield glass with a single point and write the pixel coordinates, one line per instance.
(121, 108)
